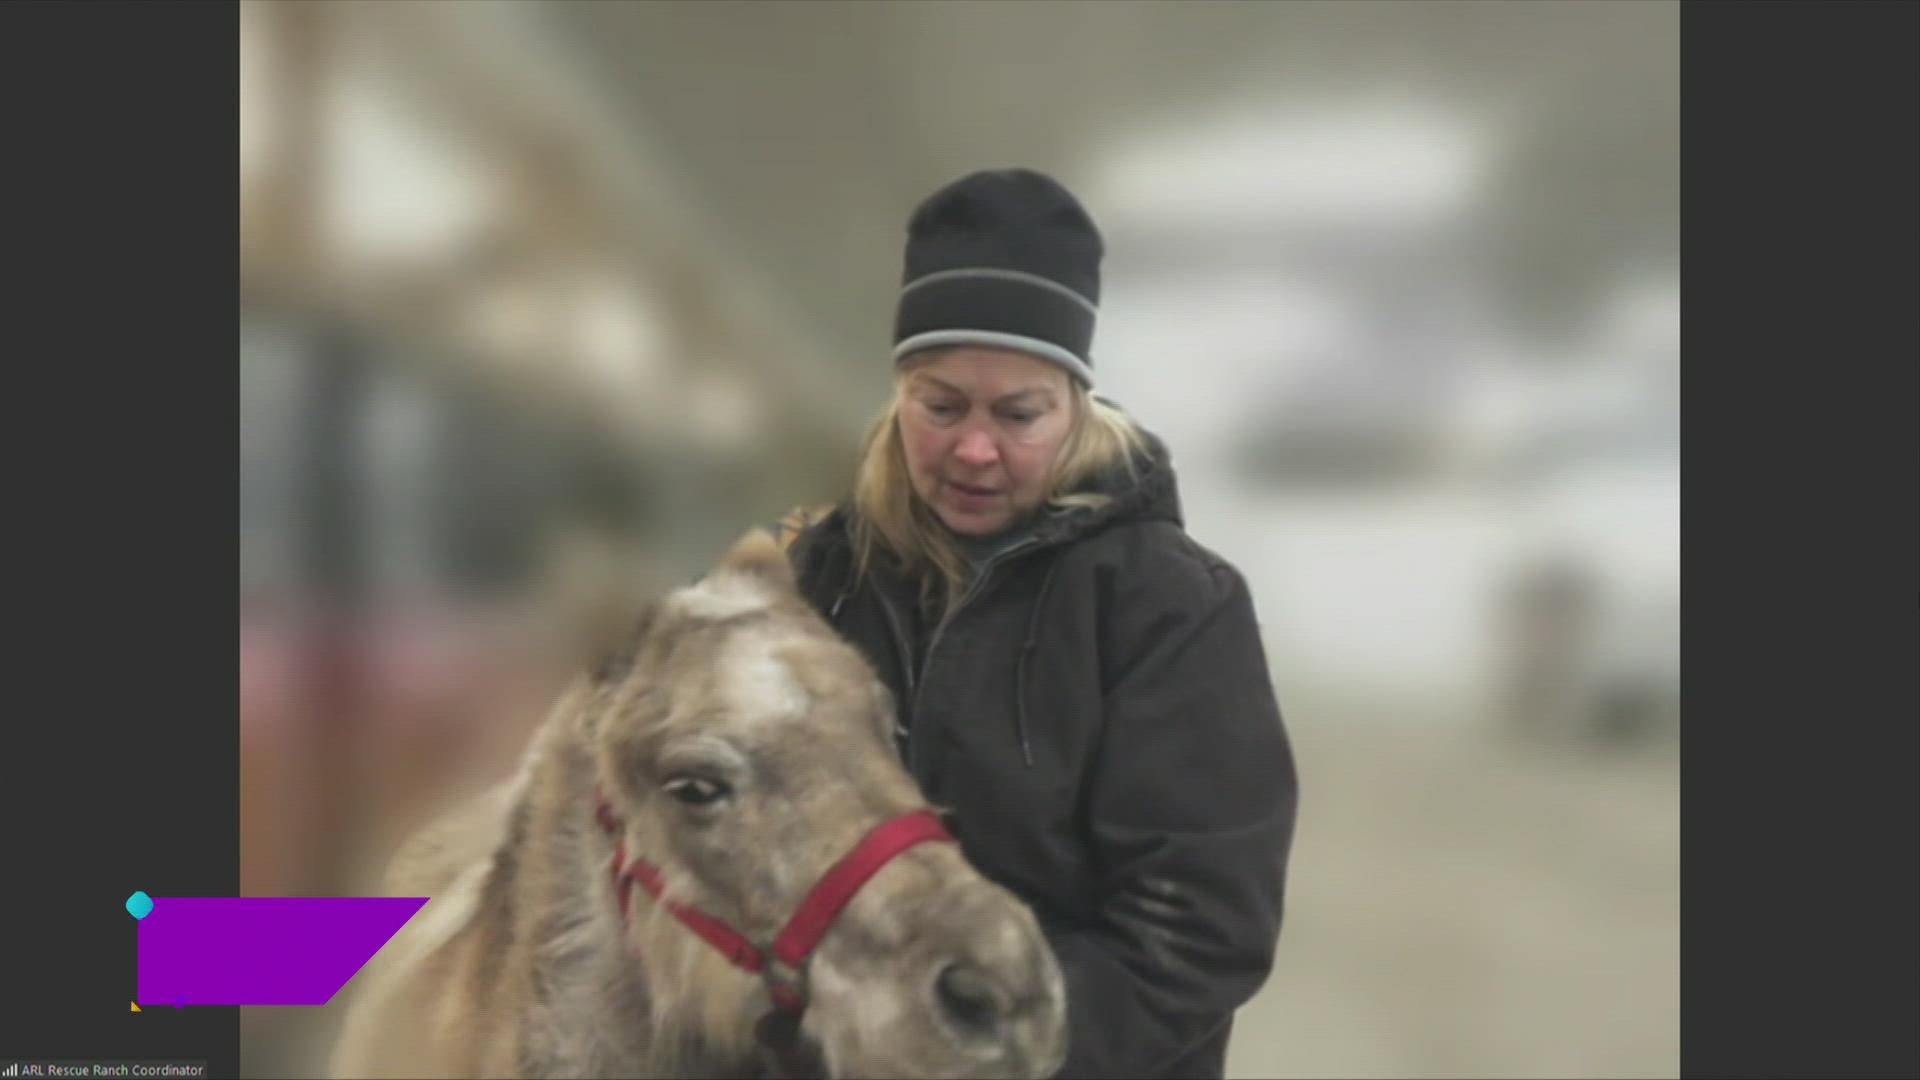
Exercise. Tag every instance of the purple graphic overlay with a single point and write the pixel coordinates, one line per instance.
(274, 950)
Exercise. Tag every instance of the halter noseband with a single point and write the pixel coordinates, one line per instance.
(783, 964)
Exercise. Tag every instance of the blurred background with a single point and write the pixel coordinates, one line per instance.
(542, 304)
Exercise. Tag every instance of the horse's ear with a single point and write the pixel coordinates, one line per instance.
(760, 555)
(614, 646)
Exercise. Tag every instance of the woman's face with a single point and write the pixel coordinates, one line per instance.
(981, 428)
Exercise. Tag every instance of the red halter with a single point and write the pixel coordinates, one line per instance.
(783, 964)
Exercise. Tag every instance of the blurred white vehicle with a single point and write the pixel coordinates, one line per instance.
(1509, 567)
(1592, 606)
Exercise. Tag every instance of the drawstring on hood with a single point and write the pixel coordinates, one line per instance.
(1020, 667)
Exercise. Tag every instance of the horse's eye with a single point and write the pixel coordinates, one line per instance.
(696, 790)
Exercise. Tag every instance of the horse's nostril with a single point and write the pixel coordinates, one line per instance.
(968, 997)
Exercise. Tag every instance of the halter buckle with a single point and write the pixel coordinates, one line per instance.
(787, 986)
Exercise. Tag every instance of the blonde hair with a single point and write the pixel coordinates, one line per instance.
(889, 516)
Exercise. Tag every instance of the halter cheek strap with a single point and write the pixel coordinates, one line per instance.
(783, 964)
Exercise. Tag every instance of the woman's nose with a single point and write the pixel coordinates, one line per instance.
(975, 448)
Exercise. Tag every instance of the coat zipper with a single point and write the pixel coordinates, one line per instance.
(902, 730)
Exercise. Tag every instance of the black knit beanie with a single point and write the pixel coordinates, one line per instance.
(1005, 258)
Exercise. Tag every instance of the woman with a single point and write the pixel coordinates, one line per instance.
(1079, 683)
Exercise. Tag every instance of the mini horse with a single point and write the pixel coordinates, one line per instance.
(733, 759)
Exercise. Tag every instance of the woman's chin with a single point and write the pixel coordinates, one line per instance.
(966, 521)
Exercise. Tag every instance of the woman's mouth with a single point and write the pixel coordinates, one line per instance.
(972, 498)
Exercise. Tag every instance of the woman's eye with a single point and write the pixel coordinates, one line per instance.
(696, 790)
(1022, 417)
(943, 410)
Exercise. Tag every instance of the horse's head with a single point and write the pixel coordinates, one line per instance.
(745, 757)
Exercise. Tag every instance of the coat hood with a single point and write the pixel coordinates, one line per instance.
(1143, 488)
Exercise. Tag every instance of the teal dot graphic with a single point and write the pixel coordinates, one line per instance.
(139, 905)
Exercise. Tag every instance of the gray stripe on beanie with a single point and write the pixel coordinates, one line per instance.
(1046, 350)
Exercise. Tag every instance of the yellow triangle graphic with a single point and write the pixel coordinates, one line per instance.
(136, 1007)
